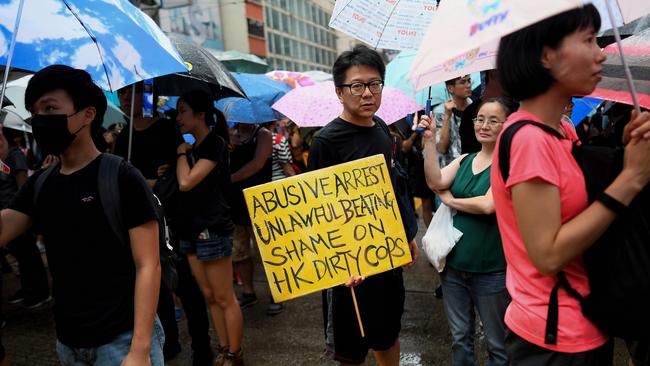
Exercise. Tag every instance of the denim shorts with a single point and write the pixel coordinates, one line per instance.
(113, 353)
(213, 247)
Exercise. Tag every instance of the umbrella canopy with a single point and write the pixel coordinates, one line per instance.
(112, 40)
(240, 110)
(10, 119)
(294, 79)
(473, 25)
(396, 25)
(583, 107)
(16, 94)
(637, 53)
(202, 71)
(397, 77)
(261, 88)
(318, 76)
(317, 105)
(236, 61)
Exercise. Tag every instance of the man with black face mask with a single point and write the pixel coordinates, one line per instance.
(105, 291)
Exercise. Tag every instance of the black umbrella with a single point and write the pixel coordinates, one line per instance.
(204, 72)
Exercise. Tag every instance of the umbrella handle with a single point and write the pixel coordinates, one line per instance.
(427, 111)
(628, 74)
(19, 15)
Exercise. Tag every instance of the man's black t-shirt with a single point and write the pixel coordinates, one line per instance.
(17, 162)
(205, 206)
(341, 141)
(93, 274)
(152, 147)
(468, 142)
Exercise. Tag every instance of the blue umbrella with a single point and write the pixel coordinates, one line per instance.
(112, 40)
(261, 88)
(583, 107)
(240, 110)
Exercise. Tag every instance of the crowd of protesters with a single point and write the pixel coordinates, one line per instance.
(111, 306)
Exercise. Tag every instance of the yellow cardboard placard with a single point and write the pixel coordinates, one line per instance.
(316, 229)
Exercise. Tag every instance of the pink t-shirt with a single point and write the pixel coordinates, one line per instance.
(535, 154)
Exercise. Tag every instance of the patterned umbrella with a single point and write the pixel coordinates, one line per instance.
(112, 40)
(317, 105)
(294, 79)
(637, 53)
(389, 24)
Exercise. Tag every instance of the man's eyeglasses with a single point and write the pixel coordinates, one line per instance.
(492, 122)
(358, 89)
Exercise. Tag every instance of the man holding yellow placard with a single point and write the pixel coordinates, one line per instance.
(357, 133)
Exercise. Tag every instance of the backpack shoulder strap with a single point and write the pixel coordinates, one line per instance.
(38, 185)
(109, 195)
(505, 143)
(550, 335)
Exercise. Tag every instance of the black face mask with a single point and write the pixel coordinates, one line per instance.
(51, 132)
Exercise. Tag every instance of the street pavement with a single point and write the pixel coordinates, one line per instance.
(294, 337)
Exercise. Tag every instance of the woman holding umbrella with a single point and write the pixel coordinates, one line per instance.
(544, 217)
(206, 226)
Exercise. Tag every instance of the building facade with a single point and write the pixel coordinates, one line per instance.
(297, 35)
(290, 34)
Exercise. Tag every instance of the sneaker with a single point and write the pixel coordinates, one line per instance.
(247, 300)
(274, 308)
(234, 359)
(16, 298)
(32, 304)
(3, 324)
(221, 355)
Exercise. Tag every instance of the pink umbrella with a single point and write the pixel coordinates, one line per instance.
(317, 105)
(294, 79)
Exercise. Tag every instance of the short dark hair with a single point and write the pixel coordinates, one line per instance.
(360, 55)
(76, 83)
(201, 101)
(519, 64)
(452, 81)
(508, 104)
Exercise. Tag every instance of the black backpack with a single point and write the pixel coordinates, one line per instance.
(618, 263)
(109, 196)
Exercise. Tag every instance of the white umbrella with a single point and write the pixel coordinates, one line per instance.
(470, 25)
(389, 24)
(15, 93)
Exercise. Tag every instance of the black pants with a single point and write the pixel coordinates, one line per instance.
(33, 277)
(524, 353)
(194, 306)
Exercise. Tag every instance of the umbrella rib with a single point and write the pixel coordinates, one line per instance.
(386, 24)
(94, 39)
(344, 6)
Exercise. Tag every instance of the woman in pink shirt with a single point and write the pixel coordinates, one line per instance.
(545, 219)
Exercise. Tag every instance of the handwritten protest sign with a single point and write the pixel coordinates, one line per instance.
(316, 229)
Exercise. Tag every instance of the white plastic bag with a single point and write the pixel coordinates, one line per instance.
(441, 236)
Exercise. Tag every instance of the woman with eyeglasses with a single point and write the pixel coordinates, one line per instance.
(474, 275)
